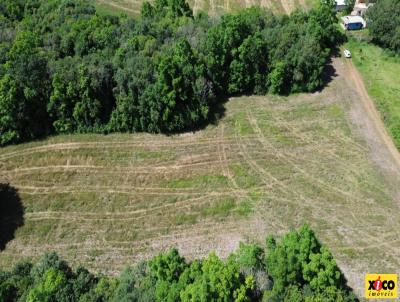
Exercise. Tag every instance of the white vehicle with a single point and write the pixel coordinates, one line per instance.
(347, 53)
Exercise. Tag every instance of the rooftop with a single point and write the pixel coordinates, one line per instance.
(353, 19)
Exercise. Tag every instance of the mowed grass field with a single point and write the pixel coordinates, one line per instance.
(380, 72)
(212, 7)
(269, 165)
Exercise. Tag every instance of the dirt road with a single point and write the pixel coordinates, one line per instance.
(368, 126)
(365, 115)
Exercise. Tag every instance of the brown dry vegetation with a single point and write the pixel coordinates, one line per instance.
(212, 7)
(269, 165)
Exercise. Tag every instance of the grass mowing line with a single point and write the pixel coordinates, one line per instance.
(83, 247)
(292, 125)
(213, 192)
(137, 170)
(288, 159)
(256, 132)
(75, 215)
(110, 191)
(250, 162)
(225, 168)
(105, 145)
(206, 227)
(258, 169)
(305, 138)
(187, 202)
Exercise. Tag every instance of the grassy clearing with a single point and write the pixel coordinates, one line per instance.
(118, 7)
(381, 75)
(107, 9)
(270, 164)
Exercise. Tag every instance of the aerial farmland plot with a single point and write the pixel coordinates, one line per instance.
(212, 7)
(269, 165)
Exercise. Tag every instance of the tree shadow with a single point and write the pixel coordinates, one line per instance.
(329, 72)
(11, 213)
(216, 113)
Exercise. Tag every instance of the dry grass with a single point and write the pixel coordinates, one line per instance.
(270, 164)
(212, 7)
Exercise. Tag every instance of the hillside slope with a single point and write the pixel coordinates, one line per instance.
(212, 7)
(269, 165)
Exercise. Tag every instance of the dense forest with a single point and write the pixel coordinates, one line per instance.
(384, 24)
(65, 69)
(296, 268)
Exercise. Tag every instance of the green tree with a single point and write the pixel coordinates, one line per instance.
(135, 284)
(307, 62)
(349, 6)
(46, 290)
(299, 260)
(219, 282)
(64, 68)
(177, 103)
(168, 267)
(321, 272)
(173, 8)
(23, 91)
(277, 79)
(248, 70)
(384, 24)
(250, 257)
(12, 9)
(299, 267)
(221, 41)
(83, 282)
(135, 73)
(323, 25)
(80, 99)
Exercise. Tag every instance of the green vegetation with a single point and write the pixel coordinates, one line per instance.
(67, 69)
(349, 6)
(205, 181)
(384, 23)
(113, 9)
(104, 201)
(296, 268)
(380, 72)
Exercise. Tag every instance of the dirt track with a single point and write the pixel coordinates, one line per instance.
(365, 115)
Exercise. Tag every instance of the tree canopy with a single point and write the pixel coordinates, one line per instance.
(64, 68)
(384, 24)
(295, 268)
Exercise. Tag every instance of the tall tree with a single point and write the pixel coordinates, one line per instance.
(177, 104)
(24, 91)
(384, 24)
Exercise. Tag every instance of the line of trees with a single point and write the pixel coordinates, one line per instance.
(384, 24)
(296, 268)
(64, 68)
